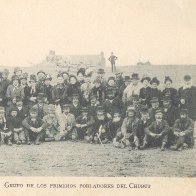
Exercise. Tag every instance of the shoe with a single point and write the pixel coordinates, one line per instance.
(175, 147)
(23, 142)
(9, 143)
(185, 146)
(142, 147)
(37, 142)
(136, 148)
(180, 148)
(163, 147)
(28, 143)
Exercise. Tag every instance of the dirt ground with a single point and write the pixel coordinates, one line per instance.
(80, 159)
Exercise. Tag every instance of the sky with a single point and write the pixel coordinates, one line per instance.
(161, 31)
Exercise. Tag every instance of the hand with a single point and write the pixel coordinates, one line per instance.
(176, 134)
(153, 135)
(84, 125)
(39, 129)
(33, 99)
(78, 125)
(103, 131)
(135, 139)
(1, 99)
(16, 130)
(109, 115)
(182, 101)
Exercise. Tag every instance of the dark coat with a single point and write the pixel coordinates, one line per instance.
(172, 93)
(189, 95)
(3, 89)
(76, 111)
(59, 94)
(14, 122)
(145, 95)
(155, 93)
(48, 93)
(28, 94)
(73, 89)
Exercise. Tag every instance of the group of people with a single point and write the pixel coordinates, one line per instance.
(126, 110)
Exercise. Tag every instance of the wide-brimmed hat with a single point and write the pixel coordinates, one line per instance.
(135, 76)
(100, 71)
(145, 77)
(41, 71)
(155, 80)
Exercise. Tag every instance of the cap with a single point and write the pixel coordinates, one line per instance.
(14, 77)
(13, 109)
(144, 109)
(127, 79)
(41, 96)
(130, 108)
(92, 96)
(66, 106)
(111, 78)
(154, 100)
(75, 96)
(166, 98)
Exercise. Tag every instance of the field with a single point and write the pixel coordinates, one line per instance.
(80, 159)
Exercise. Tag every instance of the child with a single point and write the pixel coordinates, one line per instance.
(5, 133)
(75, 106)
(84, 125)
(34, 127)
(14, 122)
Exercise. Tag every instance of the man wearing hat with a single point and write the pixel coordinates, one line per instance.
(52, 123)
(101, 77)
(14, 90)
(100, 128)
(145, 91)
(48, 88)
(156, 134)
(14, 122)
(112, 60)
(18, 72)
(112, 103)
(186, 96)
(154, 102)
(5, 133)
(21, 109)
(119, 80)
(129, 129)
(5, 82)
(98, 90)
(111, 86)
(154, 91)
(41, 104)
(170, 91)
(132, 89)
(23, 80)
(84, 125)
(41, 81)
(80, 76)
(183, 131)
(30, 98)
(127, 81)
(34, 127)
(93, 105)
(67, 124)
(75, 107)
(65, 77)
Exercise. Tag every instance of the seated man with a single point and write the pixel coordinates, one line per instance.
(101, 133)
(34, 127)
(5, 133)
(128, 135)
(156, 134)
(84, 125)
(183, 131)
(52, 123)
(67, 124)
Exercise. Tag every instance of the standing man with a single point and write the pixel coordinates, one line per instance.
(112, 60)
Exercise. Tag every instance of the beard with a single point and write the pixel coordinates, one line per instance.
(183, 120)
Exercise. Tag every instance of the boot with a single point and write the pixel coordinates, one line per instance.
(18, 142)
(163, 146)
(9, 143)
(143, 146)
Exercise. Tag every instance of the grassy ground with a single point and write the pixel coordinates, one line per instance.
(81, 159)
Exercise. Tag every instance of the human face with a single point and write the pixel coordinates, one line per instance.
(65, 76)
(4, 75)
(187, 83)
(75, 101)
(168, 84)
(23, 81)
(183, 116)
(111, 96)
(87, 79)
(14, 113)
(97, 84)
(100, 115)
(154, 85)
(134, 82)
(158, 116)
(84, 113)
(60, 80)
(41, 76)
(18, 73)
(155, 105)
(33, 114)
(145, 83)
(111, 82)
(15, 82)
(166, 104)
(130, 114)
(93, 100)
(144, 115)
(66, 110)
(127, 83)
(2, 113)
(19, 103)
(72, 80)
(80, 77)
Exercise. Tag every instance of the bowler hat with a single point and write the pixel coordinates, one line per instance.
(100, 71)
(145, 77)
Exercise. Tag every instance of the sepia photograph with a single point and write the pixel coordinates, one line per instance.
(98, 88)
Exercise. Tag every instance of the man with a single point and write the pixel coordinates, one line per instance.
(111, 86)
(84, 125)
(186, 96)
(129, 129)
(48, 89)
(41, 81)
(127, 81)
(98, 91)
(112, 60)
(23, 80)
(18, 72)
(100, 128)
(156, 134)
(67, 124)
(132, 89)
(101, 77)
(154, 106)
(59, 92)
(3, 87)
(183, 131)
(119, 80)
(93, 105)
(34, 127)
(75, 107)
